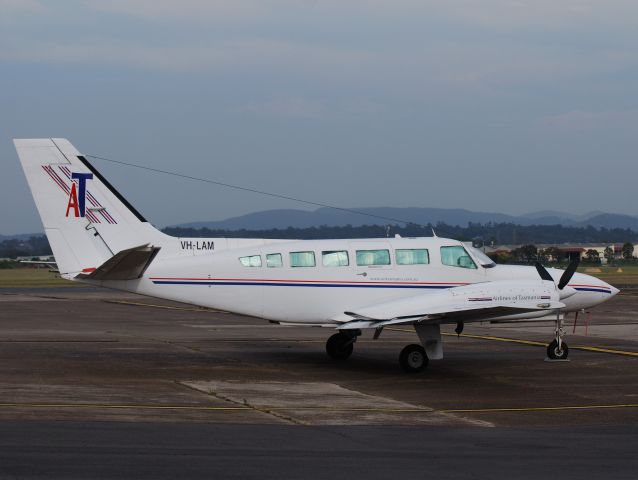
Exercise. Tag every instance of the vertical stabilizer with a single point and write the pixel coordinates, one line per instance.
(86, 220)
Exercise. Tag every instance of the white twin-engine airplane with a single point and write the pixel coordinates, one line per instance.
(98, 238)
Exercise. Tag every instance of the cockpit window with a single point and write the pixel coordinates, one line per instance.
(456, 256)
(484, 260)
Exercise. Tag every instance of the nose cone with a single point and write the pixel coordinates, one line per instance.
(591, 291)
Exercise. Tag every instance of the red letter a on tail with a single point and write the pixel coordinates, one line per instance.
(73, 201)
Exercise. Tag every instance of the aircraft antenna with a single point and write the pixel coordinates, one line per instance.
(253, 190)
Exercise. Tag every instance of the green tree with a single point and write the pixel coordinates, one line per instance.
(501, 257)
(592, 256)
(628, 251)
(609, 254)
(526, 253)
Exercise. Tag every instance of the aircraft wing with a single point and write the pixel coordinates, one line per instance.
(53, 266)
(471, 303)
(40, 262)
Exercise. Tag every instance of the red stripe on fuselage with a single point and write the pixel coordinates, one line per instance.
(303, 281)
(588, 286)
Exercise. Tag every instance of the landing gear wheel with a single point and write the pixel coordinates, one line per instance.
(339, 346)
(413, 358)
(555, 353)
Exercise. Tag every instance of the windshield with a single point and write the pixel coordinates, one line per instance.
(484, 260)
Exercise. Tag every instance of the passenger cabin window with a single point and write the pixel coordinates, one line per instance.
(373, 257)
(274, 260)
(251, 261)
(456, 256)
(302, 259)
(337, 258)
(412, 256)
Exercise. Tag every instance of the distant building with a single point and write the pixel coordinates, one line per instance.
(568, 251)
(40, 258)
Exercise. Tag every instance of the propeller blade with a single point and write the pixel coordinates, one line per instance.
(568, 273)
(543, 272)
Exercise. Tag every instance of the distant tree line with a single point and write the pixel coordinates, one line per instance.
(35, 245)
(530, 253)
(483, 234)
(488, 234)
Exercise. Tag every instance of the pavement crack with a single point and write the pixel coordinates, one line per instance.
(245, 403)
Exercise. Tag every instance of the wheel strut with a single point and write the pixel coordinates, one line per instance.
(558, 349)
(559, 331)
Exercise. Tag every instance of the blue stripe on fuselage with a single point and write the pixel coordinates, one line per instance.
(281, 284)
(598, 290)
(328, 285)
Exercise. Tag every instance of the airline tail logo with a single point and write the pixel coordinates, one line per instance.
(77, 196)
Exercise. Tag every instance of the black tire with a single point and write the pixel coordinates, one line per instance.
(413, 358)
(339, 346)
(554, 353)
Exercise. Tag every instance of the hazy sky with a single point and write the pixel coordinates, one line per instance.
(494, 105)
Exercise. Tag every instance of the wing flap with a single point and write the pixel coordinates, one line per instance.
(450, 314)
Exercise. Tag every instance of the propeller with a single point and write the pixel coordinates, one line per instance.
(564, 278)
(568, 273)
(542, 271)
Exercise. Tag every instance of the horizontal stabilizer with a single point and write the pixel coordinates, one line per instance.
(128, 264)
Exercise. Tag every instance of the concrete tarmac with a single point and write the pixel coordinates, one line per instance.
(104, 378)
(83, 450)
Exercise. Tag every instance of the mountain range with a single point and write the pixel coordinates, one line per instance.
(284, 218)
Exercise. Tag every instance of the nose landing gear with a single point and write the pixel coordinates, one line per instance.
(558, 349)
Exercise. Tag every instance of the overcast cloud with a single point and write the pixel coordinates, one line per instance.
(494, 105)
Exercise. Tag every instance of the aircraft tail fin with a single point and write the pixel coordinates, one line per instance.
(86, 220)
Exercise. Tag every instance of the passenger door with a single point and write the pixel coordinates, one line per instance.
(369, 258)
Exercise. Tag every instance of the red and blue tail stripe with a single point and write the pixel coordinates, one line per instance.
(105, 214)
(66, 189)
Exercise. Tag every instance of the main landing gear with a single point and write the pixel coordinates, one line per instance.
(413, 358)
(558, 349)
(340, 345)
